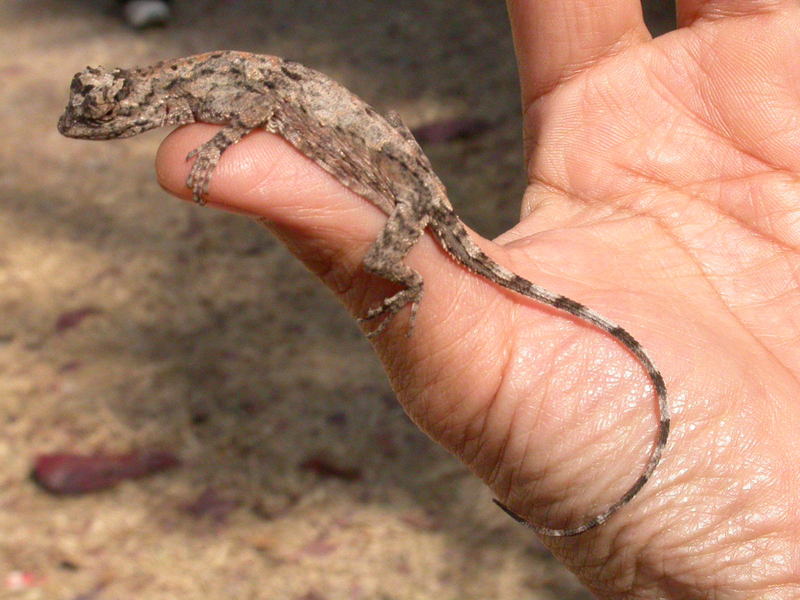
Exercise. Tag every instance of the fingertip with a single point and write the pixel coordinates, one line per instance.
(236, 182)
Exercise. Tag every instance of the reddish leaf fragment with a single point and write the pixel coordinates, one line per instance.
(13, 70)
(450, 129)
(70, 366)
(92, 594)
(311, 595)
(66, 473)
(386, 443)
(73, 318)
(319, 547)
(323, 467)
(421, 520)
(338, 418)
(211, 504)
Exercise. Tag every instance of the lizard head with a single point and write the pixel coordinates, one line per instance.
(107, 104)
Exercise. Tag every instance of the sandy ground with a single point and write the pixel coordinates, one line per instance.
(132, 321)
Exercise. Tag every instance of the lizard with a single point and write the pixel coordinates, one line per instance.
(374, 156)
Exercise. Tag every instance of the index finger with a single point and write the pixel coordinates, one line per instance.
(557, 39)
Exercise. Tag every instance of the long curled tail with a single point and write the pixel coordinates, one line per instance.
(453, 234)
(627, 340)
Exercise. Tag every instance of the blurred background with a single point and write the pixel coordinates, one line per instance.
(203, 418)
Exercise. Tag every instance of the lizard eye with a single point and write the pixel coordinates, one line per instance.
(124, 91)
(99, 112)
(98, 93)
(76, 87)
(97, 106)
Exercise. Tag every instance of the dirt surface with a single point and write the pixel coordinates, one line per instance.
(134, 322)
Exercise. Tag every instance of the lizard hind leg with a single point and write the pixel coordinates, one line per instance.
(385, 259)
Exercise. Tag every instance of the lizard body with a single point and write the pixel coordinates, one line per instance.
(376, 157)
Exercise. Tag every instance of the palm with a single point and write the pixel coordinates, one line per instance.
(665, 183)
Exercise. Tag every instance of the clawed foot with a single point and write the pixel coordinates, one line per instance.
(206, 159)
(390, 307)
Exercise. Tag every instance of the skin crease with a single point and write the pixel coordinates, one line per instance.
(664, 194)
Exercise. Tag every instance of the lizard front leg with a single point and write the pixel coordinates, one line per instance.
(207, 156)
(385, 258)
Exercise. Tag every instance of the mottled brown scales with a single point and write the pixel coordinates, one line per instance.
(376, 157)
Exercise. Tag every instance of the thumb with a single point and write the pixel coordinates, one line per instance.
(265, 178)
(330, 229)
(322, 222)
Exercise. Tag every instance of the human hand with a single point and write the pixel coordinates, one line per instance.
(662, 181)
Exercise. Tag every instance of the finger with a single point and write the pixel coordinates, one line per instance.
(321, 222)
(690, 11)
(259, 177)
(555, 39)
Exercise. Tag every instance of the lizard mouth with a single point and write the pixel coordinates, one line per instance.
(79, 128)
(71, 127)
(75, 124)
(65, 124)
(82, 127)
